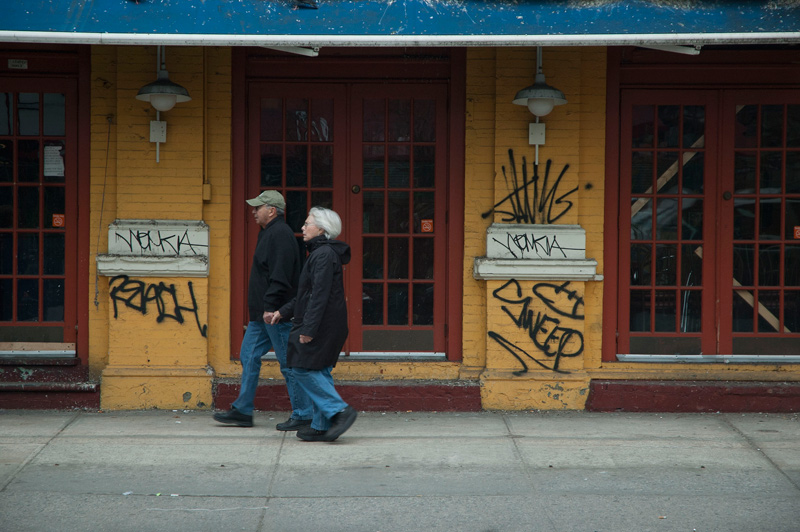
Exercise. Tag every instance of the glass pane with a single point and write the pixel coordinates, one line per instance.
(373, 212)
(399, 121)
(53, 300)
(744, 264)
(425, 166)
(769, 265)
(373, 258)
(399, 166)
(669, 126)
(54, 254)
(744, 173)
(791, 310)
(791, 260)
(398, 304)
(271, 165)
(667, 172)
(792, 126)
(424, 258)
(694, 124)
(28, 214)
(296, 119)
(271, 119)
(398, 258)
(322, 166)
(693, 163)
(423, 304)
(691, 266)
(666, 264)
(321, 199)
(742, 311)
(28, 113)
(53, 168)
(744, 219)
(373, 166)
(6, 297)
(54, 114)
(666, 311)
(424, 120)
(792, 218)
(374, 120)
(297, 166)
(28, 253)
(6, 113)
(53, 206)
(424, 208)
(770, 219)
(28, 300)
(28, 161)
(6, 253)
(768, 311)
(771, 126)
(6, 160)
(792, 171)
(322, 120)
(667, 222)
(641, 218)
(771, 166)
(398, 212)
(372, 304)
(746, 129)
(642, 172)
(643, 126)
(692, 222)
(296, 210)
(640, 311)
(6, 208)
(640, 264)
(691, 310)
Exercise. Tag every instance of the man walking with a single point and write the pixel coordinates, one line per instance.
(273, 282)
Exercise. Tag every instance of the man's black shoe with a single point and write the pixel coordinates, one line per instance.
(293, 424)
(309, 434)
(234, 417)
(340, 423)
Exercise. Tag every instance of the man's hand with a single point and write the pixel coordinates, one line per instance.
(267, 317)
(276, 317)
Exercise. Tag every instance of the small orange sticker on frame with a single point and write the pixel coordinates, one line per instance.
(797, 232)
(59, 220)
(426, 226)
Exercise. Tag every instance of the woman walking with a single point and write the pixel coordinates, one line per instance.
(319, 325)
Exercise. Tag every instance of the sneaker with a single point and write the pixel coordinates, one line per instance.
(293, 424)
(309, 434)
(340, 423)
(234, 417)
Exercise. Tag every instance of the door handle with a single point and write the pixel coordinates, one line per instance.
(356, 189)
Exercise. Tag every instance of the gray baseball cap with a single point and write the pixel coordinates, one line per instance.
(268, 197)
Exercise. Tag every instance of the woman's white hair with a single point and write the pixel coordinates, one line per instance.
(327, 220)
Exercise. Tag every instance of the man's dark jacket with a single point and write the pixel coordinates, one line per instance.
(319, 310)
(275, 271)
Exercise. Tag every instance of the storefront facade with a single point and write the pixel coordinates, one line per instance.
(488, 272)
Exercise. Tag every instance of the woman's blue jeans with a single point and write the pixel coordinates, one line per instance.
(258, 339)
(317, 385)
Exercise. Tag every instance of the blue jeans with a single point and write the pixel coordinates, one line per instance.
(258, 339)
(317, 385)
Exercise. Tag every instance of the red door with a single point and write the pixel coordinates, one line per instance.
(38, 216)
(376, 154)
(709, 203)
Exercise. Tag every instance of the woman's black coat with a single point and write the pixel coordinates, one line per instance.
(319, 310)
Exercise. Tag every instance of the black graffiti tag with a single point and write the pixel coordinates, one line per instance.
(137, 295)
(532, 200)
(165, 242)
(548, 332)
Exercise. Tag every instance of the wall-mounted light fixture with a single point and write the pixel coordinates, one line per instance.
(539, 98)
(162, 94)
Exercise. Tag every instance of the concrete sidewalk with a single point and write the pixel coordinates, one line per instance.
(488, 471)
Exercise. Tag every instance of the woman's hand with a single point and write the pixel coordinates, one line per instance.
(276, 317)
(305, 339)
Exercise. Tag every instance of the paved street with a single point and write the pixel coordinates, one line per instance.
(488, 471)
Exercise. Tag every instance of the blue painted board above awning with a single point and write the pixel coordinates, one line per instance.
(399, 22)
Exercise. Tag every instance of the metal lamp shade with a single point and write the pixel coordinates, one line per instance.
(163, 94)
(540, 98)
